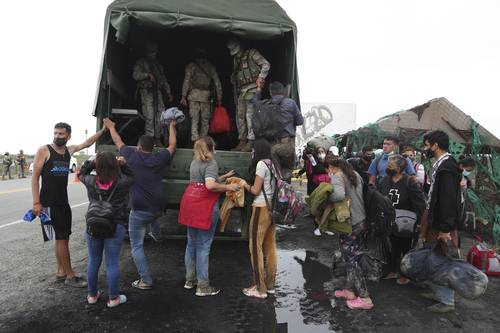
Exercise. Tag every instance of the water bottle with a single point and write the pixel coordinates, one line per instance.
(312, 160)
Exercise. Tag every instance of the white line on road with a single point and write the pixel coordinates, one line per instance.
(19, 221)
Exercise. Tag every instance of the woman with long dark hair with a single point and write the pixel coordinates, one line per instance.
(348, 184)
(262, 239)
(199, 211)
(113, 178)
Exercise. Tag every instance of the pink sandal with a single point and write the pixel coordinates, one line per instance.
(344, 294)
(359, 303)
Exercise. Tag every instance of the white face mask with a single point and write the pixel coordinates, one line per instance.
(322, 156)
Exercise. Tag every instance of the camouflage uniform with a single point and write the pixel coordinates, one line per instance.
(150, 91)
(248, 66)
(21, 162)
(6, 166)
(199, 75)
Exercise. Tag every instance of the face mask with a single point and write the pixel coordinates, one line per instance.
(429, 153)
(322, 156)
(466, 173)
(391, 172)
(60, 141)
(234, 50)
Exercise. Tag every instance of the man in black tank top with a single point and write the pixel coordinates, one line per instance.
(52, 163)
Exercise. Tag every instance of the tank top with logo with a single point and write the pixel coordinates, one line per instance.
(55, 173)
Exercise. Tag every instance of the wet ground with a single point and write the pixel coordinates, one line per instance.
(31, 302)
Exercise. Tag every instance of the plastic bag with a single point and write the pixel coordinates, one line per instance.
(220, 122)
(321, 141)
(429, 264)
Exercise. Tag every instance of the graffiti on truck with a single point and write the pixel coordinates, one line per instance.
(316, 119)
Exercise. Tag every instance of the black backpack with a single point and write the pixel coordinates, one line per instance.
(380, 213)
(270, 120)
(99, 218)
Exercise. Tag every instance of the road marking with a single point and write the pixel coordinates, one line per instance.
(19, 221)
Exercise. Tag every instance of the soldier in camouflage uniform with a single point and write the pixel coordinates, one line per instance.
(21, 162)
(196, 90)
(7, 161)
(152, 86)
(250, 70)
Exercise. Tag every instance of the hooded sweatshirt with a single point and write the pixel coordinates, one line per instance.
(445, 200)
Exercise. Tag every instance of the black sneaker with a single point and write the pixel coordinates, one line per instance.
(76, 282)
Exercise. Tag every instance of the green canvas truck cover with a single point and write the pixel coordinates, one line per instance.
(253, 20)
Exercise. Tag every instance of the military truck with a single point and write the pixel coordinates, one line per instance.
(179, 27)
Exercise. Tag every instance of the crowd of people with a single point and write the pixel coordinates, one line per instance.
(433, 199)
(128, 188)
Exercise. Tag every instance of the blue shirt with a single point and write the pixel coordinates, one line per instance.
(146, 192)
(379, 170)
(288, 105)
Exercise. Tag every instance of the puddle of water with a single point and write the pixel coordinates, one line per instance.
(302, 301)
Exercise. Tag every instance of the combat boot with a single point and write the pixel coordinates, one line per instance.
(248, 147)
(240, 145)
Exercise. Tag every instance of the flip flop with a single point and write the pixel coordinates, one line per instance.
(137, 284)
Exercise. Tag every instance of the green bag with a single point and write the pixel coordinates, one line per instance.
(339, 219)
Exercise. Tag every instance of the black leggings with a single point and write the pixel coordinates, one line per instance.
(400, 246)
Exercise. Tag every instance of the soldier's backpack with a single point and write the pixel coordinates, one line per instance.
(99, 217)
(270, 120)
(380, 213)
(286, 203)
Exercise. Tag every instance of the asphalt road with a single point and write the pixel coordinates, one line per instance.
(31, 302)
(15, 200)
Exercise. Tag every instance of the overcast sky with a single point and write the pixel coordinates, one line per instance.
(384, 56)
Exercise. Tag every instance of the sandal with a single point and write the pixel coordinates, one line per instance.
(345, 294)
(254, 293)
(359, 303)
(402, 281)
(139, 284)
(93, 299)
(391, 276)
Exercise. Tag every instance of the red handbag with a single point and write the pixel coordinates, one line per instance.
(220, 122)
(197, 205)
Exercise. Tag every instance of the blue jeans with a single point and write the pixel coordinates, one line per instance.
(445, 294)
(198, 250)
(140, 222)
(111, 248)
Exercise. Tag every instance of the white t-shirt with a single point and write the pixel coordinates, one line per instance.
(262, 170)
